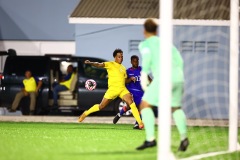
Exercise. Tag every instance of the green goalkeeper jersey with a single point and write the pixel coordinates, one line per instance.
(149, 50)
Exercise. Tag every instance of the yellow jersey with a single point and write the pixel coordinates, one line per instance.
(68, 82)
(116, 74)
(30, 84)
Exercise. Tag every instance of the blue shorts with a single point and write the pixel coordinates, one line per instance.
(137, 97)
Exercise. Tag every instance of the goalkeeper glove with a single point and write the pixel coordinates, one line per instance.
(144, 80)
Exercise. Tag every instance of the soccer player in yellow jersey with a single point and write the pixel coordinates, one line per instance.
(116, 86)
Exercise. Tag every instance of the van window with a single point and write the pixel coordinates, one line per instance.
(65, 64)
(18, 65)
(93, 72)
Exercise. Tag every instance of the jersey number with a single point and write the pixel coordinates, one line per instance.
(137, 78)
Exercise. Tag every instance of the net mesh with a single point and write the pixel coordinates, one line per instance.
(206, 53)
(206, 70)
(205, 50)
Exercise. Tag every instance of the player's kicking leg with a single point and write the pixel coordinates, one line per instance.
(95, 108)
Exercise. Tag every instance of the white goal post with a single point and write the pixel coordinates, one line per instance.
(164, 120)
(164, 109)
(233, 76)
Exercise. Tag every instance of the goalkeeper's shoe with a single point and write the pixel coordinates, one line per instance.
(147, 144)
(82, 117)
(116, 118)
(183, 145)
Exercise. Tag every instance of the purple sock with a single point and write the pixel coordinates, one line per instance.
(124, 109)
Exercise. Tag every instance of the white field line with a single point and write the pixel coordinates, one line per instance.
(211, 154)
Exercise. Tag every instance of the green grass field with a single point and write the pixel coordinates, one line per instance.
(56, 141)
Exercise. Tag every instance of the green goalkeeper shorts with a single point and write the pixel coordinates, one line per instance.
(152, 98)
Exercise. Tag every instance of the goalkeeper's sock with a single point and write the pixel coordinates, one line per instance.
(94, 108)
(149, 122)
(181, 123)
(123, 110)
(136, 113)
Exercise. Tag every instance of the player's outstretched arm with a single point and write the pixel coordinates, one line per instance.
(95, 64)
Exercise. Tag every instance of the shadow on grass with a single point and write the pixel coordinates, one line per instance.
(101, 128)
(132, 152)
(97, 128)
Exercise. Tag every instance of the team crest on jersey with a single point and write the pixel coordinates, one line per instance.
(121, 69)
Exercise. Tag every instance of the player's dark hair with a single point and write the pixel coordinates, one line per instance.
(150, 26)
(116, 51)
(28, 70)
(71, 66)
(134, 57)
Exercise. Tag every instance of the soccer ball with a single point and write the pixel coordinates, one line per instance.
(90, 84)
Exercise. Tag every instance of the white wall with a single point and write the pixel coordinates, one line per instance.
(39, 47)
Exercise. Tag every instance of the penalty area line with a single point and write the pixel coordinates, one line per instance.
(211, 154)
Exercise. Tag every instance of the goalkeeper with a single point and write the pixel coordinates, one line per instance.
(116, 86)
(149, 50)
